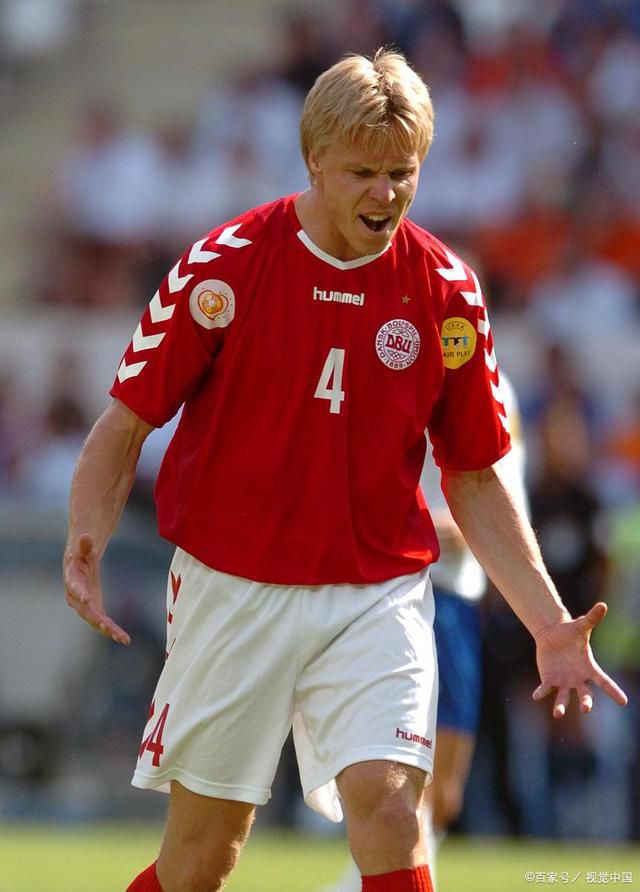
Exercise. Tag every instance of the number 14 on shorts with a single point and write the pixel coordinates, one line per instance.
(152, 743)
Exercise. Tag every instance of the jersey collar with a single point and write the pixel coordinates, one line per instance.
(333, 261)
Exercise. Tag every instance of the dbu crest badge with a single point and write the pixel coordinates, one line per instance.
(398, 344)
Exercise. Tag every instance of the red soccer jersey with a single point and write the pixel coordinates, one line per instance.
(307, 384)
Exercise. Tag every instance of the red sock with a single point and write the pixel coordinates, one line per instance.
(416, 880)
(147, 881)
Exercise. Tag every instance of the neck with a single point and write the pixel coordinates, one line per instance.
(313, 219)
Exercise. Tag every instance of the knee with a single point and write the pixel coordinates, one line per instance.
(385, 803)
(386, 834)
(396, 817)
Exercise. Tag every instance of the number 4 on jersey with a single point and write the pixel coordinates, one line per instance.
(330, 381)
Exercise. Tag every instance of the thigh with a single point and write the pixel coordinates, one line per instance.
(203, 837)
(371, 694)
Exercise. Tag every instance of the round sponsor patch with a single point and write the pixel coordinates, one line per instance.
(459, 339)
(212, 304)
(398, 344)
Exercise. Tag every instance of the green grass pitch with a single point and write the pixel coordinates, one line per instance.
(105, 859)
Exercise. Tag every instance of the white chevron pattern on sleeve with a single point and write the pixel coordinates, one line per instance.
(157, 311)
(228, 238)
(454, 273)
(504, 421)
(197, 255)
(457, 273)
(175, 281)
(130, 371)
(474, 298)
(497, 394)
(141, 341)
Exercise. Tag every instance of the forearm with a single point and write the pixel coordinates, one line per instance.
(104, 476)
(498, 532)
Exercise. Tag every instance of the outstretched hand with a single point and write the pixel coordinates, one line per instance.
(566, 663)
(84, 591)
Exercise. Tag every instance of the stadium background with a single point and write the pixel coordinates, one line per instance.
(129, 129)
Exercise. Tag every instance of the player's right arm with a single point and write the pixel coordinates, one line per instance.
(171, 350)
(101, 485)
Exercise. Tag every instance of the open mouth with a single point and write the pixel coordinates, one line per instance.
(375, 222)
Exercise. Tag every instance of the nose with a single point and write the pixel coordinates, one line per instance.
(382, 190)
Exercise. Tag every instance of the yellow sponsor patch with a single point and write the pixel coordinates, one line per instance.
(459, 339)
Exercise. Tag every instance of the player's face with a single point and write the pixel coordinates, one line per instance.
(361, 198)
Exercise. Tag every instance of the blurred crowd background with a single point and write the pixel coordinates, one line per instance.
(128, 131)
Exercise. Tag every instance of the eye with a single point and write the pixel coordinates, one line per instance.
(400, 174)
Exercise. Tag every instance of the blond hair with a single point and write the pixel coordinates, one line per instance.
(381, 103)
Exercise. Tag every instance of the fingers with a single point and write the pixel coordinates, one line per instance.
(561, 703)
(543, 690)
(585, 697)
(84, 594)
(583, 692)
(77, 570)
(85, 545)
(595, 616)
(77, 586)
(112, 630)
(610, 688)
(103, 623)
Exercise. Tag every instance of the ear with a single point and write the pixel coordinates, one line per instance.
(313, 162)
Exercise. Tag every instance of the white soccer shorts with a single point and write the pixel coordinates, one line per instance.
(352, 667)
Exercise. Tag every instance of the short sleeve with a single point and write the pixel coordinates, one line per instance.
(468, 426)
(178, 336)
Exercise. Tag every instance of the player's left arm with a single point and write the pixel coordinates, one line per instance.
(496, 527)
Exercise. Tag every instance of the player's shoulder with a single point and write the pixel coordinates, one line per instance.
(267, 222)
(451, 283)
(437, 255)
(237, 240)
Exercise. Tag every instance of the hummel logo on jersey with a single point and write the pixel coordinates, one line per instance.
(338, 297)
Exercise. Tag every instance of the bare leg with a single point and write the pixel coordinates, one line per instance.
(382, 802)
(202, 841)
